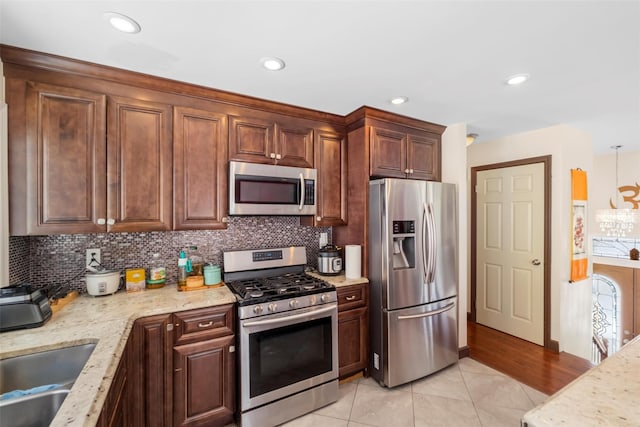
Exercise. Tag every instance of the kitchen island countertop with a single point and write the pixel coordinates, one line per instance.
(106, 321)
(606, 395)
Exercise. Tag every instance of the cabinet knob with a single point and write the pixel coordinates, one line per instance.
(111, 221)
(318, 218)
(350, 298)
(410, 170)
(278, 156)
(406, 171)
(101, 221)
(272, 155)
(225, 219)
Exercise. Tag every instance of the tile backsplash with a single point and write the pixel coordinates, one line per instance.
(614, 247)
(60, 259)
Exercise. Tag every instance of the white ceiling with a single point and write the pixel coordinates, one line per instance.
(449, 57)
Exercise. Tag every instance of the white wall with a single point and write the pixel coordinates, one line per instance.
(570, 148)
(603, 184)
(454, 154)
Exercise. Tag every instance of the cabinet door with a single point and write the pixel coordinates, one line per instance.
(331, 190)
(200, 169)
(66, 160)
(251, 140)
(294, 144)
(388, 153)
(353, 331)
(139, 165)
(423, 156)
(152, 369)
(117, 408)
(204, 388)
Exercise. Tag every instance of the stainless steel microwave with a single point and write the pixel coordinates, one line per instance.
(257, 189)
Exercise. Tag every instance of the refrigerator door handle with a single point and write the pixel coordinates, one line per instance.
(429, 313)
(433, 247)
(425, 245)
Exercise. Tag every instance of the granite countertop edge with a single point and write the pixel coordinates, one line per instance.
(106, 321)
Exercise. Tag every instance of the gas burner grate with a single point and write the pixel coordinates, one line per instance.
(271, 288)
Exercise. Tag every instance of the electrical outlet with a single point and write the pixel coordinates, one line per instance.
(93, 258)
(324, 239)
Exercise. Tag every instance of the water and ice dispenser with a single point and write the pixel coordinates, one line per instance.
(404, 244)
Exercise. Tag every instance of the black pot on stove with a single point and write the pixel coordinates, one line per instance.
(329, 261)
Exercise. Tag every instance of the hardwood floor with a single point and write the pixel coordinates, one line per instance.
(526, 362)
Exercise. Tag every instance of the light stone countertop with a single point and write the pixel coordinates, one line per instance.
(606, 395)
(339, 280)
(106, 321)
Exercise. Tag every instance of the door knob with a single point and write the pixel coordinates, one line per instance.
(535, 262)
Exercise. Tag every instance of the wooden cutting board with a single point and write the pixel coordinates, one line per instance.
(58, 304)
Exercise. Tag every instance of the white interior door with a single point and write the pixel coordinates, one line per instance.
(510, 250)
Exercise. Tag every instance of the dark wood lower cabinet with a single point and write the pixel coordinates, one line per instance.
(117, 408)
(353, 329)
(177, 369)
(203, 383)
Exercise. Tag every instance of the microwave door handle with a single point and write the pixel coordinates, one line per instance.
(301, 192)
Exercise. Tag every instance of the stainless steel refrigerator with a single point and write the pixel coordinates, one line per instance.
(413, 274)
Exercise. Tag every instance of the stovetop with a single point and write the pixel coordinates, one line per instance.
(259, 290)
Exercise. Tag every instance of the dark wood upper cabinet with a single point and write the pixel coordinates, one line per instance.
(331, 191)
(65, 160)
(271, 140)
(200, 169)
(404, 154)
(139, 165)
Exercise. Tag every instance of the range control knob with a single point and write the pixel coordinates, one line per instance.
(257, 309)
(324, 298)
(294, 303)
(272, 307)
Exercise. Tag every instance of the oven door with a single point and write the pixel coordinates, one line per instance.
(284, 354)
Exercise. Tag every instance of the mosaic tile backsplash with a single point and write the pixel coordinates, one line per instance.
(60, 259)
(614, 248)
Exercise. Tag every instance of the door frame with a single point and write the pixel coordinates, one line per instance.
(546, 161)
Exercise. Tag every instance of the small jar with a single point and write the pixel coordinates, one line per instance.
(156, 273)
(212, 274)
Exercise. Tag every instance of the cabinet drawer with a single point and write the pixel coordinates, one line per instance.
(352, 296)
(204, 324)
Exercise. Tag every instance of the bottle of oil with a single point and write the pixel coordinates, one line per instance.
(182, 271)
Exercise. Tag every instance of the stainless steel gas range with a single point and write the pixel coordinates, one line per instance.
(288, 335)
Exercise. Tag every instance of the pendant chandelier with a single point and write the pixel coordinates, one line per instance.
(616, 222)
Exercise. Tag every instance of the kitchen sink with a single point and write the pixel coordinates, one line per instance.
(46, 377)
(61, 367)
(37, 410)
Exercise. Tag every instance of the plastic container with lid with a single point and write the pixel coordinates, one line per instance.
(156, 273)
(195, 263)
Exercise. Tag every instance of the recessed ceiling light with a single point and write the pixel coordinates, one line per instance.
(272, 64)
(517, 79)
(122, 22)
(399, 100)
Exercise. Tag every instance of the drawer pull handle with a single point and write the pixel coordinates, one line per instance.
(205, 325)
(350, 298)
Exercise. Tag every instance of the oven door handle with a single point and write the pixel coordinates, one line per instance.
(288, 319)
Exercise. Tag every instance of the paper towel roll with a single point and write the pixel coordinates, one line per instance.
(352, 261)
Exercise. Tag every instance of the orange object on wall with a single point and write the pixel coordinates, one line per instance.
(579, 225)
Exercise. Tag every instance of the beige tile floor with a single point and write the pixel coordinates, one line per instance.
(466, 394)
